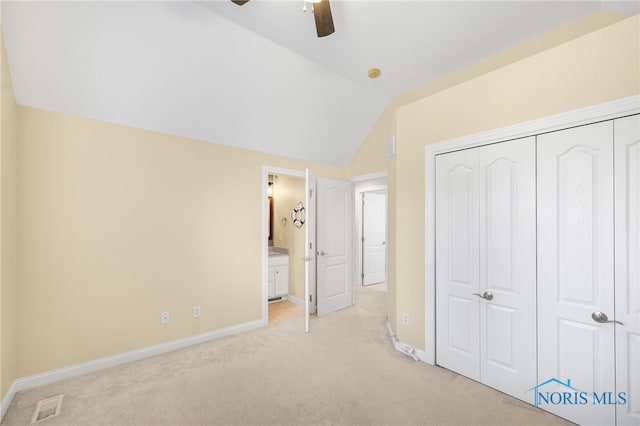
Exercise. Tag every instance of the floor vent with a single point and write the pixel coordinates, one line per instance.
(47, 408)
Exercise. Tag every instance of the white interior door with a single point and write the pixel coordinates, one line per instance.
(310, 247)
(508, 266)
(457, 263)
(575, 267)
(627, 252)
(374, 234)
(485, 264)
(334, 249)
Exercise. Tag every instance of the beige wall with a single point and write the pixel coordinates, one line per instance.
(288, 191)
(8, 281)
(118, 224)
(445, 95)
(371, 156)
(597, 67)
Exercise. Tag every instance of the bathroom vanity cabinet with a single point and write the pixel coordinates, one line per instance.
(278, 275)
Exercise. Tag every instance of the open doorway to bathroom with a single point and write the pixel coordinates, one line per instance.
(285, 292)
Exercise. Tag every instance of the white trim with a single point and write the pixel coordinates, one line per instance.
(377, 181)
(370, 176)
(295, 300)
(59, 374)
(403, 348)
(363, 183)
(422, 355)
(358, 192)
(280, 171)
(6, 401)
(579, 117)
(606, 111)
(266, 171)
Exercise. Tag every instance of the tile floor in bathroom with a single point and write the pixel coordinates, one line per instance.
(284, 309)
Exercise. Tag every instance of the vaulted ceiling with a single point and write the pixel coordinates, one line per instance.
(256, 76)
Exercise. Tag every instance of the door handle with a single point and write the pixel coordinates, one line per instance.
(321, 253)
(307, 259)
(602, 318)
(486, 295)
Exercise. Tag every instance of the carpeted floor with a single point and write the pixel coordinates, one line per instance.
(345, 372)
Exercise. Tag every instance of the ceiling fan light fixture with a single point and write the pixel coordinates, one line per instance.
(321, 10)
(374, 73)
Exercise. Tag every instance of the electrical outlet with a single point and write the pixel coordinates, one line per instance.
(164, 318)
(196, 311)
(405, 318)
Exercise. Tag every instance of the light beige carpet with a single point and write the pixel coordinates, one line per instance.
(345, 372)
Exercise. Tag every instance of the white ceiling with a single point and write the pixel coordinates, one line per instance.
(256, 76)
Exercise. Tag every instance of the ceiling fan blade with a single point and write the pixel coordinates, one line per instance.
(323, 18)
(240, 2)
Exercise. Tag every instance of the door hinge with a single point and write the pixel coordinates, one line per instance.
(362, 239)
(310, 193)
(362, 275)
(310, 298)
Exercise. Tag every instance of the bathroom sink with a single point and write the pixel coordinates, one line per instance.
(278, 251)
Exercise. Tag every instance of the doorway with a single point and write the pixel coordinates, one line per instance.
(370, 229)
(374, 237)
(330, 264)
(283, 243)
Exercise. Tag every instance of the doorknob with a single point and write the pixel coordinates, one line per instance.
(322, 253)
(602, 318)
(486, 295)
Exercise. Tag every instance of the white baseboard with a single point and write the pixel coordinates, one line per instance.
(6, 401)
(422, 356)
(295, 300)
(300, 302)
(408, 350)
(59, 374)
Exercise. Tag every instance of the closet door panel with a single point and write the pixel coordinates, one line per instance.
(508, 266)
(575, 267)
(457, 334)
(627, 288)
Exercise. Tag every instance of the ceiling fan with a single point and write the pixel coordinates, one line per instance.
(321, 14)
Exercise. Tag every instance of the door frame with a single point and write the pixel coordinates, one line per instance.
(360, 243)
(266, 171)
(578, 117)
(362, 184)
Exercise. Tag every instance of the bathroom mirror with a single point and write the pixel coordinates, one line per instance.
(270, 213)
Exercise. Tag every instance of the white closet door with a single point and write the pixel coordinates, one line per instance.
(508, 266)
(575, 268)
(627, 182)
(457, 263)
(485, 264)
